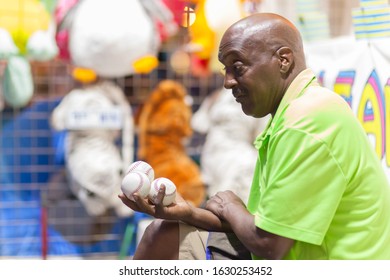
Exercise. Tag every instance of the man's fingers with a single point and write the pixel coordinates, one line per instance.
(125, 199)
(131, 203)
(158, 201)
(137, 203)
(159, 206)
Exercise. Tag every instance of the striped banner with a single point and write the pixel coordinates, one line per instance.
(306, 6)
(371, 22)
(314, 26)
(371, 3)
(313, 23)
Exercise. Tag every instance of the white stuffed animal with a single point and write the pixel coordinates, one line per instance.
(96, 117)
(228, 156)
(113, 38)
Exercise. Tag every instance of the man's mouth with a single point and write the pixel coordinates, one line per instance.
(238, 95)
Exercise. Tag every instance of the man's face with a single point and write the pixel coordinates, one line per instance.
(251, 72)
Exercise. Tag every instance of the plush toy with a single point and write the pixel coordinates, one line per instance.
(63, 16)
(26, 33)
(164, 124)
(202, 41)
(207, 30)
(112, 38)
(164, 14)
(228, 156)
(96, 118)
(176, 7)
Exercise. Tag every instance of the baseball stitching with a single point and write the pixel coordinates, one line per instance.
(156, 187)
(136, 164)
(134, 167)
(140, 184)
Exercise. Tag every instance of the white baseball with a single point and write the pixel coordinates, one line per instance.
(142, 166)
(170, 190)
(135, 182)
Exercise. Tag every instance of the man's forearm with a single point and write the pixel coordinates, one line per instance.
(206, 220)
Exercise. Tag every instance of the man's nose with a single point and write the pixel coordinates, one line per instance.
(229, 82)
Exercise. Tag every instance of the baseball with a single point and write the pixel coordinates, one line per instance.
(142, 166)
(135, 182)
(170, 190)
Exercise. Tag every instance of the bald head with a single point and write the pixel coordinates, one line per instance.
(262, 55)
(268, 31)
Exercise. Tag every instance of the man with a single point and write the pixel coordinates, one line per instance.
(318, 191)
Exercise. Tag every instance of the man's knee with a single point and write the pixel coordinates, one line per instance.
(162, 229)
(160, 241)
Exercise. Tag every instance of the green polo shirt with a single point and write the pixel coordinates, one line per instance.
(318, 180)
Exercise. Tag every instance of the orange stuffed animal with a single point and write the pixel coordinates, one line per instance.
(164, 122)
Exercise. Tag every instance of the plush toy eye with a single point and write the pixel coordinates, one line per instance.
(89, 193)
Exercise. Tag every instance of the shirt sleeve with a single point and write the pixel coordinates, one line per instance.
(303, 185)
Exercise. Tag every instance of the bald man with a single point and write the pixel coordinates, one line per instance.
(318, 191)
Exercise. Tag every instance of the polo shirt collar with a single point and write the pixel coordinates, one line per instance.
(296, 88)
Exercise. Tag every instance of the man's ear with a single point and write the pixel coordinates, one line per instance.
(286, 59)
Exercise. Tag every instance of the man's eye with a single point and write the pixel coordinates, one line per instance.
(238, 70)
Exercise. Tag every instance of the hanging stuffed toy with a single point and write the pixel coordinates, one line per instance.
(228, 156)
(164, 124)
(207, 30)
(202, 40)
(96, 118)
(26, 34)
(164, 14)
(112, 38)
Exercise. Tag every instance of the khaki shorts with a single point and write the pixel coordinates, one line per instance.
(220, 245)
(193, 242)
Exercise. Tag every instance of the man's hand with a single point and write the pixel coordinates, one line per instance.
(176, 211)
(222, 202)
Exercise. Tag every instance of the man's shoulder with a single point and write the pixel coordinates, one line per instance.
(319, 100)
(318, 109)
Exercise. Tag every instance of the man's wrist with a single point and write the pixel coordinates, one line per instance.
(233, 212)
